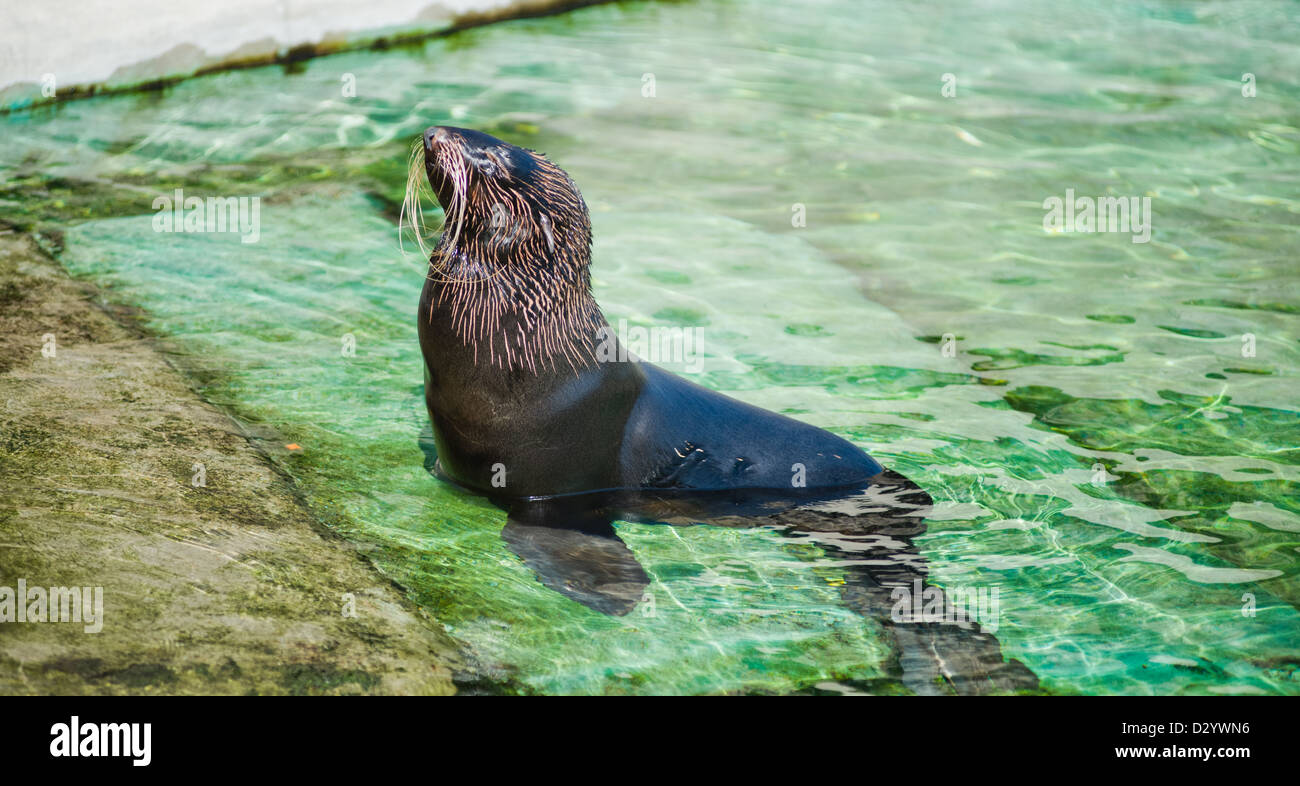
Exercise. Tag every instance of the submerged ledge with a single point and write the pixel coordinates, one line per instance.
(53, 59)
(215, 576)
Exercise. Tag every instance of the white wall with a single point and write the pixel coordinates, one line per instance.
(118, 44)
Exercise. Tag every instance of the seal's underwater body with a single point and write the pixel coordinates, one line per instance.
(528, 408)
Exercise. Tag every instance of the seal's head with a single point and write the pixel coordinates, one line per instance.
(516, 241)
(503, 205)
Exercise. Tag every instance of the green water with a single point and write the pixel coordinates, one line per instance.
(924, 217)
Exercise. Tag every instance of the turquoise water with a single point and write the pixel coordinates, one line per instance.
(1100, 448)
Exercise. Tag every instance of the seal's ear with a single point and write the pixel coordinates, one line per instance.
(545, 221)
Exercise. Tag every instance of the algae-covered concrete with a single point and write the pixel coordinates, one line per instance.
(114, 473)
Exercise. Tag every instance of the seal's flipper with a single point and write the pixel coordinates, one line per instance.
(578, 555)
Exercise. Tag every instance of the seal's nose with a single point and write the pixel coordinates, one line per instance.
(435, 135)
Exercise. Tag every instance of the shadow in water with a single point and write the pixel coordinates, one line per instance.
(571, 545)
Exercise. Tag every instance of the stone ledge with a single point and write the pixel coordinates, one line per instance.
(227, 587)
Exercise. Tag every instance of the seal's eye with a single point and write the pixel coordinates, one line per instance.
(491, 164)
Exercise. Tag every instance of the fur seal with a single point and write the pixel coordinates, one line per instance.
(527, 411)
(522, 405)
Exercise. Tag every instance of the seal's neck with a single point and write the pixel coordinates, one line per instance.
(516, 312)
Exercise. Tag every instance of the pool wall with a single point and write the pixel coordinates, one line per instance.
(75, 48)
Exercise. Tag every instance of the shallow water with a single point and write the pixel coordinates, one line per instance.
(1100, 447)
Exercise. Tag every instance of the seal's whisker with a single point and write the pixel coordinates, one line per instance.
(460, 184)
(412, 211)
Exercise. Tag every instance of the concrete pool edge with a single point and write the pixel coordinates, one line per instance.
(29, 79)
(216, 577)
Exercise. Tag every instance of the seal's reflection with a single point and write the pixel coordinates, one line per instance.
(571, 545)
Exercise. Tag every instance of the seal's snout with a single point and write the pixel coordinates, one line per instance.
(445, 165)
(435, 136)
